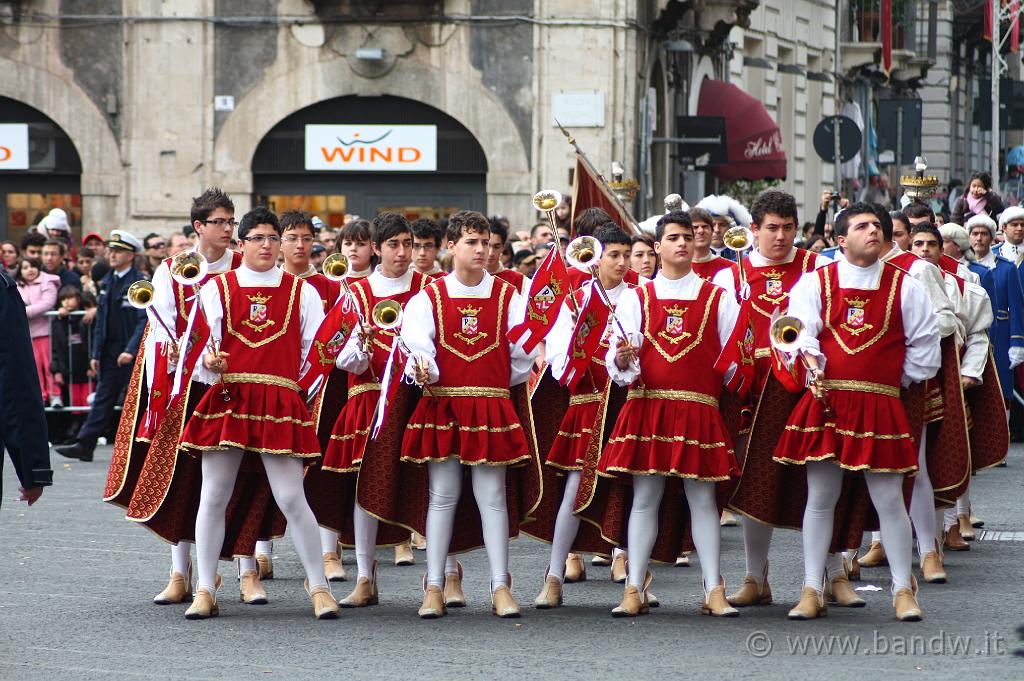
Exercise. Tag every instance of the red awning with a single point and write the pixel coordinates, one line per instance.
(754, 142)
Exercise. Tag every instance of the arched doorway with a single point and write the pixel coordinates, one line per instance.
(284, 179)
(52, 178)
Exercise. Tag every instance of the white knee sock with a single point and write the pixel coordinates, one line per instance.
(757, 537)
(705, 528)
(451, 564)
(329, 539)
(445, 486)
(922, 504)
(366, 540)
(265, 548)
(824, 482)
(834, 566)
(285, 477)
(963, 504)
(181, 558)
(616, 551)
(247, 563)
(643, 524)
(876, 536)
(219, 472)
(566, 527)
(489, 492)
(886, 491)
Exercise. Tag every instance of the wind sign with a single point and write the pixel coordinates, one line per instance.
(371, 147)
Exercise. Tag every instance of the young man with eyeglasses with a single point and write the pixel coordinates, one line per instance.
(265, 320)
(297, 246)
(146, 477)
(426, 242)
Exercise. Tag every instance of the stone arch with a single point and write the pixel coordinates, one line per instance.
(471, 104)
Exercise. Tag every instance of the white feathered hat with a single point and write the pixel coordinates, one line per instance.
(722, 206)
(1010, 214)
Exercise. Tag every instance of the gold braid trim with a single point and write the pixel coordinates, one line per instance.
(431, 459)
(470, 391)
(698, 337)
(362, 388)
(575, 436)
(468, 429)
(861, 387)
(351, 436)
(762, 353)
(587, 398)
(833, 457)
(897, 280)
(264, 379)
(252, 417)
(667, 438)
(675, 395)
(230, 326)
(665, 474)
(225, 445)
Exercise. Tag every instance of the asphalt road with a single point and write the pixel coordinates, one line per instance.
(77, 583)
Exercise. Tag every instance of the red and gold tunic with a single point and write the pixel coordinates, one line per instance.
(578, 278)
(348, 438)
(864, 344)
(468, 413)
(569, 449)
(769, 290)
(671, 424)
(511, 276)
(264, 412)
(707, 269)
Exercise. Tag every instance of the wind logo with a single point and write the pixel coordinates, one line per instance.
(371, 147)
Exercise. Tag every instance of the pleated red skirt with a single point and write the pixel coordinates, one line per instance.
(867, 432)
(478, 430)
(261, 418)
(679, 438)
(569, 449)
(351, 431)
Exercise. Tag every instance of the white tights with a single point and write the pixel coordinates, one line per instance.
(329, 540)
(824, 483)
(445, 483)
(566, 527)
(643, 526)
(181, 558)
(366, 540)
(922, 504)
(220, 469)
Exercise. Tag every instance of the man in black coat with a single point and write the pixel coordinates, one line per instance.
(117, 335)
(22, 420)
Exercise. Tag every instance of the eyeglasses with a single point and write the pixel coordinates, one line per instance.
(262, 238)
(221, 222)
(291, 239)
(159, 244)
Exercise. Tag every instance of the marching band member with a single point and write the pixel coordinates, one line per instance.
(498, 239)
(296, 245)
(705, 263)
(670, 439)
(265, 320)
(354, 243)
(726, 212)
(455, 330)
(584, 419)
(426, 243)
(869, 330)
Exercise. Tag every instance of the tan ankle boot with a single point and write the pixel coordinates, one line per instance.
(433, 602)
(875, 556)
(204, 605)
(852, 567)
(966, 528)
(251, 592)
(502, 603)
(953, 540)
(634, 600)
(325, 606)
(811, 605)
(839, 592)
(931, 567)
(728, 519)
(904, 601)
(716, 605)
(364, 593)
(619, 570)
(750, 593)
(683, 560)
(266, 564)
(551, 595)
(574, 569)
(403, 554)
(419, 542)
(453, 594)
(178, 589)
(333, 568)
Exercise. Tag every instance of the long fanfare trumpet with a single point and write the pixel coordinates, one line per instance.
(546, 201)
(741, 240)
(335, 267)
(141, 297)
(189, 268)
(786, 334)
(387, 315)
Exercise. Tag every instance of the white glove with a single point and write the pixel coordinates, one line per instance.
(1016, 357)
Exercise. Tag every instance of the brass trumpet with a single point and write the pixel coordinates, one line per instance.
(786, 335)
(141, 297)
(583, 253)
(189, 268)
(387, 315)
(546, 200)
(335, 267)
(741, 240)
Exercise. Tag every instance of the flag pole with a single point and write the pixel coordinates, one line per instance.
(600, 178)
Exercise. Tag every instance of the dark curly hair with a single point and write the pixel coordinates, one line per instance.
(260, 215)
(465, 222)
(773, 202)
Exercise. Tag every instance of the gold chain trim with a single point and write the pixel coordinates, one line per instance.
(223, 281)
(668, 438)
(861, 387)
(897, 279)
(351, 436)
(498, 335)
(676, 395)
(575, 436)
(782, 304)
(470, 391)
(645, 294)
(362, 388)
(762, 353)
(252, 417)
(265, 379)
(467, 429)
(586, 398)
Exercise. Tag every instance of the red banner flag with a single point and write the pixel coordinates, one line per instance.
(887, 35)
(159, 394)
(548, 290)
(739, 351)
(329, 340)
(586, 335)
(588, 191)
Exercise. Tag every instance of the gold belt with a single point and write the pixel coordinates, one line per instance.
(266, 379)
(762, 353)
(676, 395)
(468, 391)
(587, 398)
(362, 388)
(861, 387)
